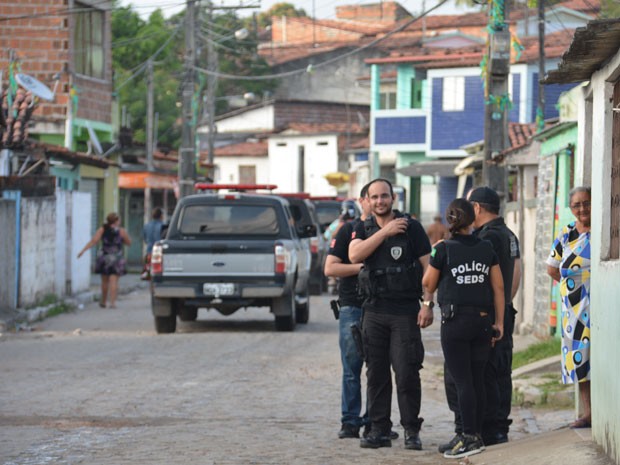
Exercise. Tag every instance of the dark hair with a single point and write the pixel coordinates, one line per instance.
(157, 213)
(380, 180)
(110, 219)
(459, 215)
(490, 208)
(364, 191)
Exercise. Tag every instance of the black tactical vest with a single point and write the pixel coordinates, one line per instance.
(391, 271)
(466, 276)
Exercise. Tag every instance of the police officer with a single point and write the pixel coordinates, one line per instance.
(393, 248)
(337, 264)
(466, 271)
(490, 226)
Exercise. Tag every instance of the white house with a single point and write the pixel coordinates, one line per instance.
(594, 56)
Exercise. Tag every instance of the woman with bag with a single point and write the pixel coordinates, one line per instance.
(465, 271)
(110, 263)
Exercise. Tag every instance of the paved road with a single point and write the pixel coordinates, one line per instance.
(100, 387)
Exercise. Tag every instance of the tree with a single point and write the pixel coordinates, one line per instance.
(280, 9)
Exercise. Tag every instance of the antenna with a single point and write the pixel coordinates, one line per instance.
(36, 87)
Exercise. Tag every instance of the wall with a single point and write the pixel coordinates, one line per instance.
(319, 160)
(605, 291)
(7, 253)
(229, 169)
(79, 235)
(38, 249)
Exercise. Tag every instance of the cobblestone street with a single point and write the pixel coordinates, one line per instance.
(100, 387)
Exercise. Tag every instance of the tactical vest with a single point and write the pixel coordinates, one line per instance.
(466, 276)
(391, 271)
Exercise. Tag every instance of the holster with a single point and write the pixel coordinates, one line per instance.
(356, 332)
(335, 305)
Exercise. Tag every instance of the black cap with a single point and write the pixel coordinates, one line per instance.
(484, 195)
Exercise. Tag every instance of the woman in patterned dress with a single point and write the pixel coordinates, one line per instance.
(569, 263)
(110, 263)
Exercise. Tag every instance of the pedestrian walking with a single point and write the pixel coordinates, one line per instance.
(151, 233)
(466, 273)
(394, 249)
(569, 264)
(110, 262)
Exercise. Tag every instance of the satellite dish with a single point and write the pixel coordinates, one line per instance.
(36, 87)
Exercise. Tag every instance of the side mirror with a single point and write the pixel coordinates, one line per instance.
(306, 230)
(164, 230)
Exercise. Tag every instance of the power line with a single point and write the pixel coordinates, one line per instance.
(326, 62)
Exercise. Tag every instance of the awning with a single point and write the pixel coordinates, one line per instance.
(443, 168)
(468, 164)
(144, 179)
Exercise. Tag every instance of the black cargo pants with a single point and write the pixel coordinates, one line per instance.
(393, 341)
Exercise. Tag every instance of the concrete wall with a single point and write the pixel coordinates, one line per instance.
(38, 249)
(319, 160)
(229, 169)
(78, 236)
(7, 253)
(604, 290)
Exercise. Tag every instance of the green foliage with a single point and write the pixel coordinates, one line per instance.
(135, 41)
(610, 9)
(535, 352)
(280, 9)
(58, 309)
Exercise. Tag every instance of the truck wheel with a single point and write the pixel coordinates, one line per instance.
(165, 324)
(188, 313)
(284, 310)
(285, 323)
(302, 308)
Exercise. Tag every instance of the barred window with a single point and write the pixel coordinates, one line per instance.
(88, 34)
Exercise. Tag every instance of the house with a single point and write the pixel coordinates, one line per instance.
(68, 50)
(290, 143)
(594, 56)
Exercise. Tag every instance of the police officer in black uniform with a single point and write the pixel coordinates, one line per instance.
(490, 226)
(394, 248)
(466, 271)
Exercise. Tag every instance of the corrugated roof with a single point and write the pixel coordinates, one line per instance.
(590, 49)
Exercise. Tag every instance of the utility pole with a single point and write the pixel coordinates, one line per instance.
(149, 137)
(540, 113)
(212, 65)
(187, 151)
(497, 102)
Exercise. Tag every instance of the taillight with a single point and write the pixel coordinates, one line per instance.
(157, 260)
(282, 259)
(314, 245)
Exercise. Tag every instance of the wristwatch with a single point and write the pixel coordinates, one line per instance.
(428, 303)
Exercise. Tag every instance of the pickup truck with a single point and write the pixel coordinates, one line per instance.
(230, 251)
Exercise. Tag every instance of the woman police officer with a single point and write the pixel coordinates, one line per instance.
(465, 271)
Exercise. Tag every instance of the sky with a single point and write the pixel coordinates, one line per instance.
(323, 9)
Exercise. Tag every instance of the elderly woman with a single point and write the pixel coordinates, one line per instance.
(569, 263)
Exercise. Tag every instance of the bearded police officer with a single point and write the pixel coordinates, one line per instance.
(490, 226)
(394, 249)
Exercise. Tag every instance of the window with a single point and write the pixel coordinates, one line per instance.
(453, 98)
(228, 220)
(416, 93)
(387, 97)
(247, 174)
(88, 37)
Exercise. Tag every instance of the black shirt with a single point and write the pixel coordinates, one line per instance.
(339, 247)
(420, 246)
(466, 277)
(506, 246)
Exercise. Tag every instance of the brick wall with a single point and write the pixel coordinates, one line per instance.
(41, 39)
(301, 31)
(382, 12)
(317, 113)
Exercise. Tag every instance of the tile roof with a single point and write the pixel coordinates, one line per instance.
(519, 134)
(241, 149)
(556, 44)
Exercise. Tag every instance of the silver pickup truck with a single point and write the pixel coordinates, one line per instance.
(229, 251)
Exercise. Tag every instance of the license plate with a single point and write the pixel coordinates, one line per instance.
(218, 289)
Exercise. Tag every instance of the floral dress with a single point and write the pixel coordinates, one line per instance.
(110, 259)
(571, 254)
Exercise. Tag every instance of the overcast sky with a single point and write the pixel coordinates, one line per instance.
(324, 9)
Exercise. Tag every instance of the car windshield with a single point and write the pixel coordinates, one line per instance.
(228, 219)
(327, 213)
